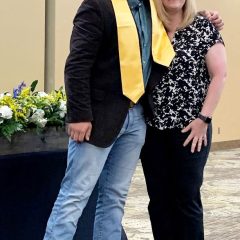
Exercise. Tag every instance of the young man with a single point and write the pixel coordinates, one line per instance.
(106, 72)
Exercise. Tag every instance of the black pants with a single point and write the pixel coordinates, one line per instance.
(174, 177)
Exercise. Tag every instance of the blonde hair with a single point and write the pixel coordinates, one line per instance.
(189, 12)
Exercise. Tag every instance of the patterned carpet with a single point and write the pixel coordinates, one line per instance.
(221, 199)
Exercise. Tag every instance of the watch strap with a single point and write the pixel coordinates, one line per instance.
(204, 118)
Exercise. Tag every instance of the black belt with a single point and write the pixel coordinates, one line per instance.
(131, 104)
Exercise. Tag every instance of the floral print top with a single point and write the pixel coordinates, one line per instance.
(179, 95)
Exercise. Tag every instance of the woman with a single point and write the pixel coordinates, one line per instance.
(179, 131)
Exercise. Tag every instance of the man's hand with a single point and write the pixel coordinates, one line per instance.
(197, 135)
(80, 131)
(214, 17)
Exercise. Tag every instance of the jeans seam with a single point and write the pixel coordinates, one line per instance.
(104, 190)
(58, 209)
(56, 214)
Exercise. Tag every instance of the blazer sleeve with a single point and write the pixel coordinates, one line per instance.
(84, 44)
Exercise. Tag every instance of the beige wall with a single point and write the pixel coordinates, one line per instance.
(65, 12)
(22, 51)
(21, 42)
(227, 116)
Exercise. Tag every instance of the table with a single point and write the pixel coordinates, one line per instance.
(29, 184)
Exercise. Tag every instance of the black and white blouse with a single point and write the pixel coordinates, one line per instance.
(179, 95)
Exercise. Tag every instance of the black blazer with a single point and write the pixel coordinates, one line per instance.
(92, 73)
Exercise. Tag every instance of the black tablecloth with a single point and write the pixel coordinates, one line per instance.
(29, 184)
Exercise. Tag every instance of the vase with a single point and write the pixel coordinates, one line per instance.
(51, 139)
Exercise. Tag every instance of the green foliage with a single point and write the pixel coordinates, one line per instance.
(9, 128)
(33, 85)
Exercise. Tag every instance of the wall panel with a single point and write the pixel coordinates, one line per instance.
(227, 116)
(21, 42)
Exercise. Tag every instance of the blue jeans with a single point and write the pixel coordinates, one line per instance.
(113, 166)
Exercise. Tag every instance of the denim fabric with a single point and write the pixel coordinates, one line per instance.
(174, 177)
(141, 13)
(115, 165)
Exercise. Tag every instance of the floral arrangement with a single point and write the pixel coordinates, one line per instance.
(27, 108)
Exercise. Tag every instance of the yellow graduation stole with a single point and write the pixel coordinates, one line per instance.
(129, 49)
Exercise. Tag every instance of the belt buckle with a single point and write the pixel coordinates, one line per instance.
(131, 104)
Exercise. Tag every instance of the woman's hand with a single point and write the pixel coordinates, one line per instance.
(198, 134)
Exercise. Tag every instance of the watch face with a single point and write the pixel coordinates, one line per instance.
(208, 120)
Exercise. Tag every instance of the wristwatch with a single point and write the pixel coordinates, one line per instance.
(204, 118)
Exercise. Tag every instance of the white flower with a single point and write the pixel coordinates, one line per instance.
(38, 118)
(62, 114)
(38, 114)
(1, 121)
(42, 94)
(63, 106)
(41, 122)
(1, 95)
(6, 112)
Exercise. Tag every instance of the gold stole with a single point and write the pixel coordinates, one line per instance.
(129, 49)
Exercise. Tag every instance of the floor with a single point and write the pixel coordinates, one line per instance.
(220, 193)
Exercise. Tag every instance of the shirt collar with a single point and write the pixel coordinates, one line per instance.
(135, 3)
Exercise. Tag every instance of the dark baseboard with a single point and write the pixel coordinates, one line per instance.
(225, 145)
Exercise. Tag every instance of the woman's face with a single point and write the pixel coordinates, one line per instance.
(173, 5)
